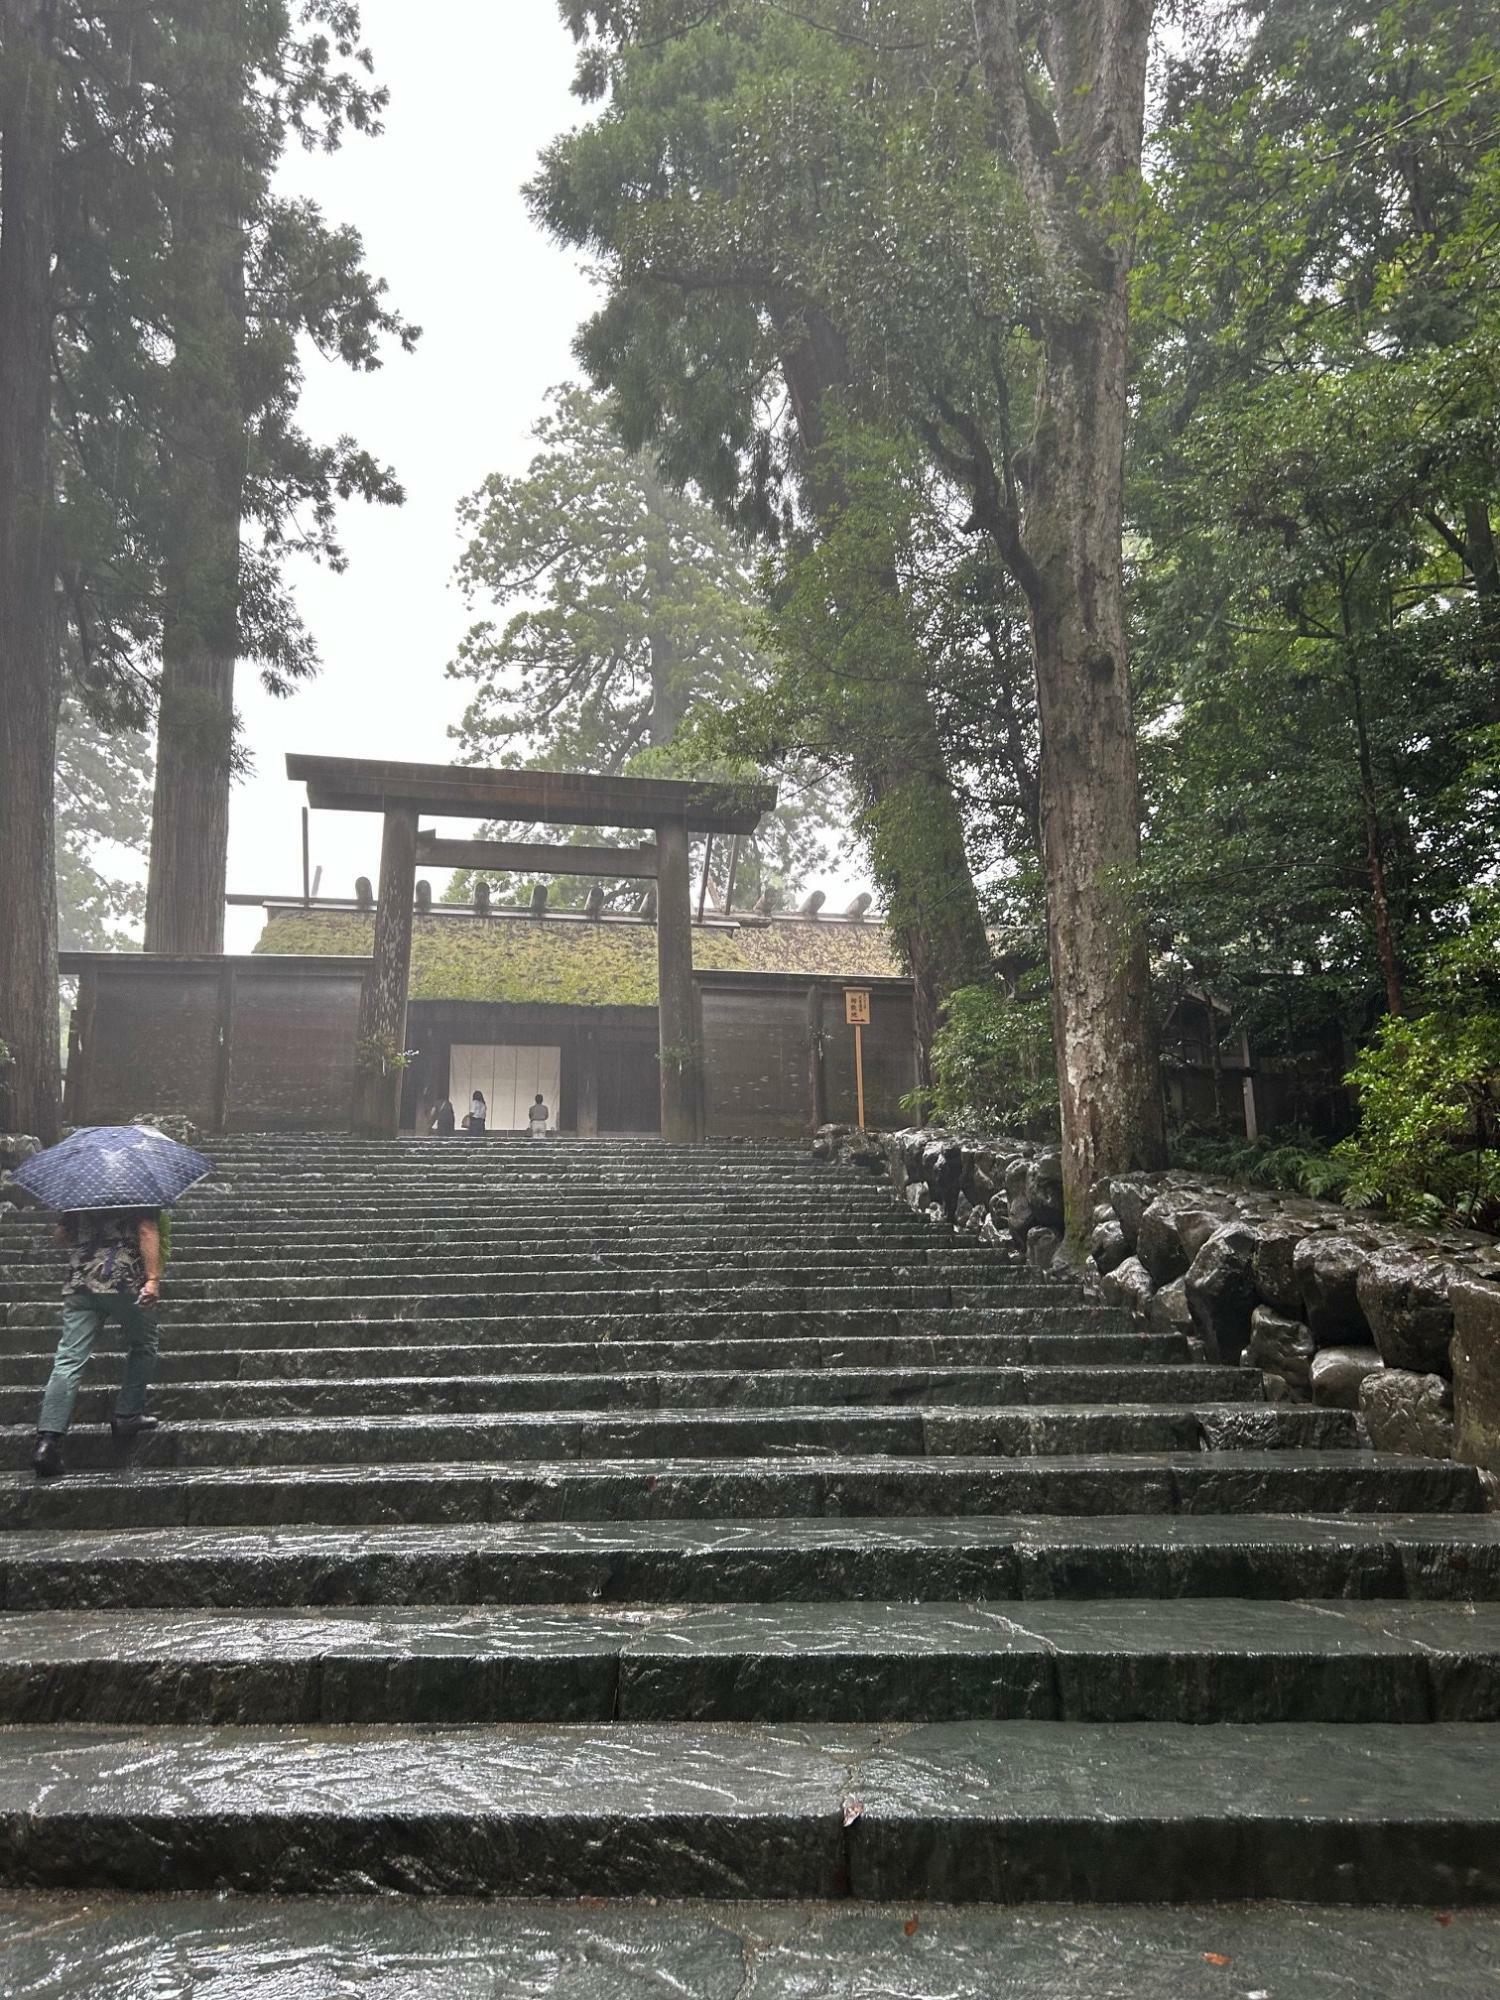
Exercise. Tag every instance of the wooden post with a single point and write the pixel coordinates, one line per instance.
(681, 1052)
(587, 1054)
(382, 1006)
(734, 863)
(817, 1085)
(857, 1015)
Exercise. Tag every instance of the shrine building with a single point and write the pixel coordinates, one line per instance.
(364, 1014)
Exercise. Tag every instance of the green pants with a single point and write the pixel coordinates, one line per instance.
(85, 1315)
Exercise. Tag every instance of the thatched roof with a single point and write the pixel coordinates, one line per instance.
(573, 961)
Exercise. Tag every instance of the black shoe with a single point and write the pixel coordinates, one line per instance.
(47, 1460)
(130, 1427)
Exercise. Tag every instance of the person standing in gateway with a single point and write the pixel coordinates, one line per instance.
(538, 1116)
(114, 1273)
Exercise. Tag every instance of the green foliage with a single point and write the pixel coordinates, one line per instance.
(620, 617)
(1428, 1142)
(103, 817)
(992, 1063)
(165, 358)
(1313, 466)
(769, 192)
(1292, 1161)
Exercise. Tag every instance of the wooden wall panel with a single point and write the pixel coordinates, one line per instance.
(153, 1044)
(291, 1052)
(629, 1080)
(756, 1062)
(890, 1058)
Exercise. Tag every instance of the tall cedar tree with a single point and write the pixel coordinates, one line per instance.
(952, 255)
(1067, 84)
(30, 120)
(710, 326)
(113, 389)
(632, 611)
(242, 273)
(211, 191)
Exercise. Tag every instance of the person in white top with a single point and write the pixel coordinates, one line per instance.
(537, 1117)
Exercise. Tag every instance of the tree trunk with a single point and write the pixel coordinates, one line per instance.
(29, 661)
(1056, 513)
(1375, 847)
(669, 690)
(1479, 537)
(918, 858)
(1108, 1076)
(909, 812)
(205, 470)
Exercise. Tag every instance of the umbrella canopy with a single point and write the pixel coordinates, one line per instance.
(112, 1166)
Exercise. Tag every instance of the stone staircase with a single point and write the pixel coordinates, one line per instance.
(610, 1520)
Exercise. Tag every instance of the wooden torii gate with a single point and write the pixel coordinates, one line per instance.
(672, 808)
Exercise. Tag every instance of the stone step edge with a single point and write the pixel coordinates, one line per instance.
(974, 1559)
(1079, 1660)
(1000, 1811)
(121, 1948)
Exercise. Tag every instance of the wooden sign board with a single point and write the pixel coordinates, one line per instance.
(856, 1007)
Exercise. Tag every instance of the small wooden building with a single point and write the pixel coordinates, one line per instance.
(368, 1017)
(513, 1003)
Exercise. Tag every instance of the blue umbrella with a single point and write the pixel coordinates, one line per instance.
(112, 1166)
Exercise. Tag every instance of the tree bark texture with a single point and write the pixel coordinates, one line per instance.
(1056, 513)
(910, 813)
(918, 857)
(29, 659)
(1108, 1074)
(205, 468)
(382, 1007)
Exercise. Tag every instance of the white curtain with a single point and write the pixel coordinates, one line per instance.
(510, 1077)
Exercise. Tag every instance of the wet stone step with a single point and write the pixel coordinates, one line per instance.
(181, 1395)
(956, 1811)
(1185, 1660)
(56, 1947)
(829, 1431)
(1113, 1355)
(225, 1263)
(447, 1321)
(1423, 1558)
(742, 1488)
(422, 1301)
(688, 1432)
(780, 1266)
(586, 1276)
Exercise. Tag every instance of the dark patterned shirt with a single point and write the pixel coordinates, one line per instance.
(104, 1253)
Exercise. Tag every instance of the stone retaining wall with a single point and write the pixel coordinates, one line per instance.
(1349, 1310)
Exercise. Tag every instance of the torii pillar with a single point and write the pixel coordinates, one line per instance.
(380, 1043)
(681, 1043)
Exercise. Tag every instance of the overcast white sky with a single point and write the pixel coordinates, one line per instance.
(478, 87)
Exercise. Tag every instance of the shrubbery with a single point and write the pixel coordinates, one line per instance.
(1428, 1142)
(992, 1063)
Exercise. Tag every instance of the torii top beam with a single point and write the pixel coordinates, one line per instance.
(544, 798)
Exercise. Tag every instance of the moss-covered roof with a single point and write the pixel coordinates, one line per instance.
(571, 962)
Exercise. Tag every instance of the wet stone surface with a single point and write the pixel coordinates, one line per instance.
(56, 1948)
(632, 1521)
